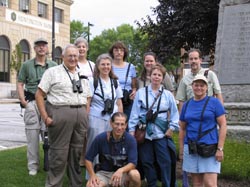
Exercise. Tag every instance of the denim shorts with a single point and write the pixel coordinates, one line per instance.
(193, 163)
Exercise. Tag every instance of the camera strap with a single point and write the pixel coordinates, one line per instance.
(126, 78)
(200, 135)
(112, 89)
(158, 95)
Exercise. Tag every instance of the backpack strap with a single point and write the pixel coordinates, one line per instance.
(90, 67)
(185, 109)
(115, 83)
(206, 73)
(96, 83)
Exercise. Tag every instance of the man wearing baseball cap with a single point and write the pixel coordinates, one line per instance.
(28, 78)
(40, 40)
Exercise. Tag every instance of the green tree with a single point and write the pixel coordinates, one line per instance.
(16, 59)
(77, 29)
(181, 24)
(133, 38)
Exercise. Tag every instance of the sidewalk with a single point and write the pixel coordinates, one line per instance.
(8, 100)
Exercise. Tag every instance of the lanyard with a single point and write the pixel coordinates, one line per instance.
(69, 74)
(36, 67)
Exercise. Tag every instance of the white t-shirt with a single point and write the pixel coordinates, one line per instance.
(85, 68)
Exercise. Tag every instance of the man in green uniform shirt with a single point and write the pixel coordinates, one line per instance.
(28, 79)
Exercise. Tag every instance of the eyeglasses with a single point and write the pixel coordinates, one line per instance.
(72, 56)
(118, 50)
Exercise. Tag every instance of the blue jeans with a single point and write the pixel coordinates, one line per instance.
(156, 151)
(127, 109)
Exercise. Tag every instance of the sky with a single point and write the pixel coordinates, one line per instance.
(108, 14)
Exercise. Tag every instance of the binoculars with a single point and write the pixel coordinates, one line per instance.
(77, 86)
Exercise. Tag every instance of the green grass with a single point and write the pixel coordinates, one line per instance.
(14, 173)
(236, 163)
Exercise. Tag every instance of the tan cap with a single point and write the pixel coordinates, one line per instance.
(40, 40)
(200, 77)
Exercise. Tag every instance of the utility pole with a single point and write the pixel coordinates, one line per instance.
(53, 29)
(89, 25)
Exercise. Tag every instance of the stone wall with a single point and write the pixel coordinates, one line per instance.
(232, 56)
(232, 50)
(236, 93)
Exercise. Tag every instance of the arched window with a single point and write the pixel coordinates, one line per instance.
(25, 50)
(4, 59)
(58, 55)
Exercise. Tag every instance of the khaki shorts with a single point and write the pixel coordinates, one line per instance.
(105, 176)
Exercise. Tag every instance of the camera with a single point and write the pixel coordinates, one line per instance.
(141, 126)
(116, 162)
(108, 106)
(150, 116)
(126, 100)
(192, 147)
(77, 86)
(119, 161)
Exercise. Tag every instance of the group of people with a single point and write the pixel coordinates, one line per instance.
(92, 110)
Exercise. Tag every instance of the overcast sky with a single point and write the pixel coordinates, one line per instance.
(108, 14)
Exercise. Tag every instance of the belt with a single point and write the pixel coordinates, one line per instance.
(67, 106)
(76, 106)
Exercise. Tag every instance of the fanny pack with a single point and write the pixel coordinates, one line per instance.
(206, 150)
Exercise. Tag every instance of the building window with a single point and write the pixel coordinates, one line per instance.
(58, 55)
(25, 50)
(4, 3)
(24, 5)
(58, 15)
(4, 59)
(42, 10)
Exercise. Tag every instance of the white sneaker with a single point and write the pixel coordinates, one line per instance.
(32, 172)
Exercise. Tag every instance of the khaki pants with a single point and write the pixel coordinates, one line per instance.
(66, 137)
(34, 127)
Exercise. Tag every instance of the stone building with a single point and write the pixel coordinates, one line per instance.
(21, 22)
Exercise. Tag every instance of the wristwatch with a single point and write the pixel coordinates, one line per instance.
(220, 149)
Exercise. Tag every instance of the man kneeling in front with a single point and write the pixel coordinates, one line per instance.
(117, 151)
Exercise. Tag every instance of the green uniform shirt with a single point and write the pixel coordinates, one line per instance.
(31, 73)
(185, 91)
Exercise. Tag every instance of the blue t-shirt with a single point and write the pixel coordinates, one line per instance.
(125, 147)
(192, 117)
(121, 74)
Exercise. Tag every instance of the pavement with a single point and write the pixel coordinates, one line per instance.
(12, 131)
(12, 128)
(8, 101)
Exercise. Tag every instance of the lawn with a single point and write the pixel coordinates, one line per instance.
(14, 173)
